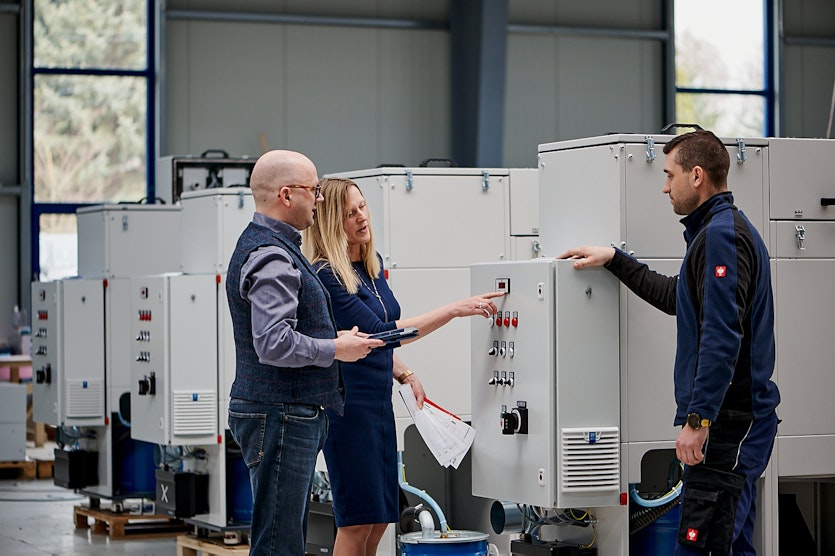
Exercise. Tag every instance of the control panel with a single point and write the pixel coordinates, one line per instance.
(68, 352)
(545, 385)
(175, 379)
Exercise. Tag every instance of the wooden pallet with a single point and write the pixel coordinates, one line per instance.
(127, 526)
(188, 545)
(45, 468)
(26, 469)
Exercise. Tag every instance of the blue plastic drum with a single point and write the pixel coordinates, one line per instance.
(456, 543)
(658, 538)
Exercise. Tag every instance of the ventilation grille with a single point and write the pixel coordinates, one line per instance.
(85, 399)
(590, 459)
(195, 413)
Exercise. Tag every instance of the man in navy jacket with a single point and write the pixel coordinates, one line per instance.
(722, 300)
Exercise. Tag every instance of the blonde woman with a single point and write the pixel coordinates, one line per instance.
(361, 448)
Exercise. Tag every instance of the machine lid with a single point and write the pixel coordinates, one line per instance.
(419, 171)
(617, 138)
(452, 537)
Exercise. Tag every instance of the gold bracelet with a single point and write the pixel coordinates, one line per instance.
(404, 375)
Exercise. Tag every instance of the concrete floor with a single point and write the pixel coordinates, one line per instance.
(36, 518)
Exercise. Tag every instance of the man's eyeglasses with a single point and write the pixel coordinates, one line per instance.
(316, 189)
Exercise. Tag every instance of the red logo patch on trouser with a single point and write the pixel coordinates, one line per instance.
(692, 535)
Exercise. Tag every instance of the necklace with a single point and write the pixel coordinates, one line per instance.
(373, 289)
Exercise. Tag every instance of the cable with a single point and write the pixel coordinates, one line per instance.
(647, 515)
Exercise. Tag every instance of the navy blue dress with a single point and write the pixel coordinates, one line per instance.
(361, 448)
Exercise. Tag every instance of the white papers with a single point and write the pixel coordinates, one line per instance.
(447, 436)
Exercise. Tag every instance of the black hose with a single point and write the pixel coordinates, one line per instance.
(646, 516)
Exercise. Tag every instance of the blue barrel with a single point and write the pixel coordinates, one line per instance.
(659, 537)
(238, 491)
(133, 468)
(457, 543)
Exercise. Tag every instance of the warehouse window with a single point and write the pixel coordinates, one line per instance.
(92, 119)
(723, 78)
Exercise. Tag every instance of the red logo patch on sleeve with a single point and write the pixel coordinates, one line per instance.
(720, 271)
(692, 535)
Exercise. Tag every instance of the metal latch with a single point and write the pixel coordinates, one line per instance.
(124, 222)
(800, 236)
(240, 198)
(410, 182)
(740, 153)
(485, 180)
(650, 148)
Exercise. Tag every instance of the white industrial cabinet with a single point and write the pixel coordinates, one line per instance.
(128, 240)
(802, 230)
(68, 352)
(430, 225)
(174, 359)
(124, 467)
(212, 220)
(12, 422)
(546, 399)
(607, 191)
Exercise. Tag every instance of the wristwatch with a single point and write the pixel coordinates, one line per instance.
(695, 421)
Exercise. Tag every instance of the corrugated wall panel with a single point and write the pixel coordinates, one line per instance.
(570, 87)
(348, 97)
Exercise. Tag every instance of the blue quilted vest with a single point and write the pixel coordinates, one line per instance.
(255, 381)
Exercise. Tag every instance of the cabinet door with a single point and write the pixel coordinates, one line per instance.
(579, 198)
(447, 221)
(648, 350)
(800, 174)
(653, 229)
(442, 359)
(804, 298)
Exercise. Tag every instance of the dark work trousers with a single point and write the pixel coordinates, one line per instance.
(744, 447)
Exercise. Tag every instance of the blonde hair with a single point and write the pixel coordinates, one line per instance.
(326, 241)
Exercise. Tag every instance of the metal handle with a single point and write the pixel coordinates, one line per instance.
(445, 161)
(221, 152)
(669, 127)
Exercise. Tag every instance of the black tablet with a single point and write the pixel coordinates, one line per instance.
(397, 335)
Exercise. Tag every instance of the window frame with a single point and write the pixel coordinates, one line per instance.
(38, 209)
(768, 90)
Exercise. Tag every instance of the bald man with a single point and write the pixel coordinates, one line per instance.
(287, 352)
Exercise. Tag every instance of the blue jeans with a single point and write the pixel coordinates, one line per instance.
(279, 443)
(745, 448)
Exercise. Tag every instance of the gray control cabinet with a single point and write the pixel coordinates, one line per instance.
(174, 359)
(128, 240)
(546, 394)
(68, 352)
(608, 191)
(430, 225)
(212, 220)
(12, 422)
(802, 236)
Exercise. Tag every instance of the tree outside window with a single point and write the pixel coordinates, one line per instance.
(721, 74)
(91, 80)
